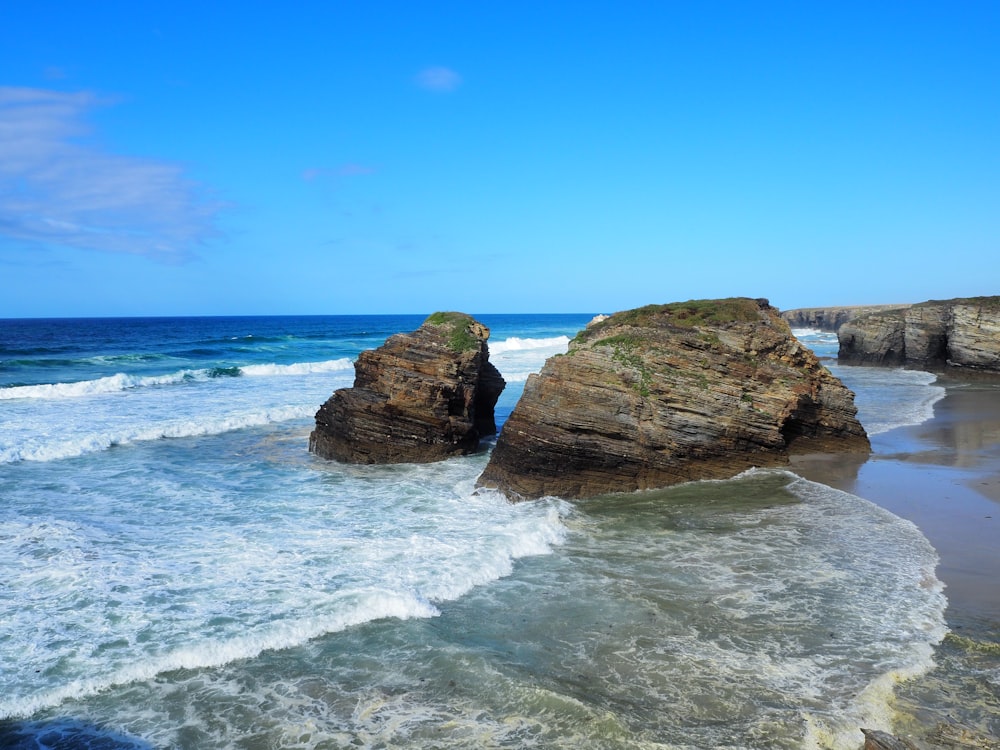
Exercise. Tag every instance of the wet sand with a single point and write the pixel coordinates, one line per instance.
(944, 476)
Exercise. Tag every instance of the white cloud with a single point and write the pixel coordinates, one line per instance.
(57, 190)
(439, 79)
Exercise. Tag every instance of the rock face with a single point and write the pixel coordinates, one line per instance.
(830, 318)
(420, 397)
(931, 335)
(670, 393)
(878, 740)
(876, 339)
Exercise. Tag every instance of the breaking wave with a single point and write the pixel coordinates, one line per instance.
(124, 382)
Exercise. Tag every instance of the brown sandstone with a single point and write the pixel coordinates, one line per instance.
(670, 393)
(420, 397)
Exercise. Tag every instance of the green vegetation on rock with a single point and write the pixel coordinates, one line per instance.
(712, 312)
(457, 329)
(625, 351)
(690, 314)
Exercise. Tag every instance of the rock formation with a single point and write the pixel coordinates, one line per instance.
(878, 740)
(830, 318)
(931, 335)
(420, 397)
(876, 339)
(670, 393)
(944, 735)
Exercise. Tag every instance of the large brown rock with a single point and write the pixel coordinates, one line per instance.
(420, 397)
(670, 393)
(931, 335)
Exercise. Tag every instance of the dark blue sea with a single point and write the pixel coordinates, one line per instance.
(177, 571)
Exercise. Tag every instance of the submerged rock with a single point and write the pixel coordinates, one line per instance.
(930, 335)
(670, 393)
(420, 397)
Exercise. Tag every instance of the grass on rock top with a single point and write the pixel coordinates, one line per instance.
(688, 314)
(457, 324)
(985, 303)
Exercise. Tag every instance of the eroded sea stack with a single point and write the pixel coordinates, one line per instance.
(830, 318)
(420, 397)
(930, 335)
(671, 393)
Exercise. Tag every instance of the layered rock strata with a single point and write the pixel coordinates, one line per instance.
(830, 318)
(931, 335)
(670, 393)
(420, 397)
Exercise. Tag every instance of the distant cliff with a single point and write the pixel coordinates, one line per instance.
(420, 397)
(961, 332)
(830, 318)
(671, 393)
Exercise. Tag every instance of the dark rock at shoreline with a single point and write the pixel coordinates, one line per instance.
(930, 335)
(831, 318)
(670, 393)
(878, 740)
(420, 397)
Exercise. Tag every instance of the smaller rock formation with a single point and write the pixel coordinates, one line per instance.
(945, 735)
(878, 740)
(831, 318)
(875, 339)
(671, 393)
(420, 397)
(931, 335)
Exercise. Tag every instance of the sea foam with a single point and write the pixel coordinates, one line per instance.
(188, 581)
(515, 343)
(516, 358)
(122, 381)
(70, 446)
(888, 398)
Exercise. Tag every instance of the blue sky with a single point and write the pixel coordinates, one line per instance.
(344, 157)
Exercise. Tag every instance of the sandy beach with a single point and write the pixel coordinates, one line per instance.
(944, 475)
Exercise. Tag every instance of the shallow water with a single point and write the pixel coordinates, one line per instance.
(217, 586)
(719, 614)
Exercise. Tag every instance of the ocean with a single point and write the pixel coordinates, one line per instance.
(177, 571)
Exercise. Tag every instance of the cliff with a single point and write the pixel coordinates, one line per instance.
(830, 318)
(670, 393)
(420, 397)
(931, 335)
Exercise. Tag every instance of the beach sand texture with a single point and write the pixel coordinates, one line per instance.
(944, 476)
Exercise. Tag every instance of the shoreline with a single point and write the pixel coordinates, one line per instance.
(944, 476)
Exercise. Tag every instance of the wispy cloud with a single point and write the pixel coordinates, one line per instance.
(55, 189)
(438, 79)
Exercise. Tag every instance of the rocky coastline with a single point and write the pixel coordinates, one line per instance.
(667, 394)
(642, 399)
(937, 334)
(831, 318)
